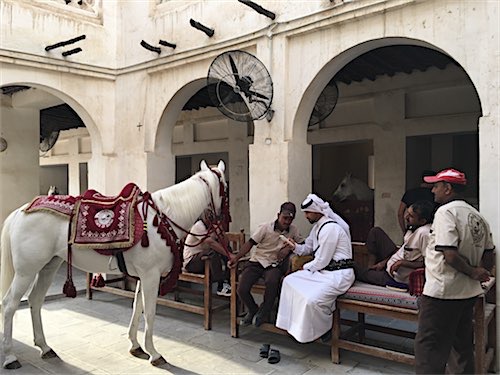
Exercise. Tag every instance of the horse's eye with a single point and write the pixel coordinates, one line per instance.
(342, 185)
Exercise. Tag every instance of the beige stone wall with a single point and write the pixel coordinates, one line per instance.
(130, 99)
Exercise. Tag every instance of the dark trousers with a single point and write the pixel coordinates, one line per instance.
(379, 247)
(197, 265)
(444, 328)
(379, 244)
(252, 272)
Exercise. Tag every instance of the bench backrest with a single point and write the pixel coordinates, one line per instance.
(236, 240)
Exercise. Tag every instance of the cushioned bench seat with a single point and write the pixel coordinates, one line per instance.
(377, 294)
(366, 299)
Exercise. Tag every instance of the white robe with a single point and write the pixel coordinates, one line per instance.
(308, 296)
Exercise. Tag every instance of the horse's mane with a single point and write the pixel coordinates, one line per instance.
(187, 199)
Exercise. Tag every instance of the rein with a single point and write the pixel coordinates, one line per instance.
(165, 229)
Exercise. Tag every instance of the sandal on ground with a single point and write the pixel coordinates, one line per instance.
(264, 350)
(274, 356)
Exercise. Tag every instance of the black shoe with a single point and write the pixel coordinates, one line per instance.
(247, 319)
(260, 318)
(326, 336)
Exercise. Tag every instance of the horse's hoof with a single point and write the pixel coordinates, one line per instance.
(139, 353)
(50, 354)
(159, 362)
(13, 365)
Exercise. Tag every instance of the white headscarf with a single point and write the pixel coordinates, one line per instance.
(313, 203)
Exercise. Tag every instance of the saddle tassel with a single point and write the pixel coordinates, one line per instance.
(145, 205)
(98, 281)
(145, 239)
(69, 288)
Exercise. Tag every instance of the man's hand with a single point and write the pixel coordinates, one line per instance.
(480, 274)
(395, 267)
(231, 263)
(283, 253)
(378, 266)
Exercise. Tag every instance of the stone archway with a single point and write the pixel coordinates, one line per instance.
(188, 133)
(397, 112)
(20, 164)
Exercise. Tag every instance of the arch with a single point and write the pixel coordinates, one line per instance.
(329, 70)
(95, 135)
(171, 113)
(371, 129)
(158, 142)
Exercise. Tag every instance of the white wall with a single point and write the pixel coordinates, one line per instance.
(19, 169)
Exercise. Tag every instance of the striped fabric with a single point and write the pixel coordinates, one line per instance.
(377, 294)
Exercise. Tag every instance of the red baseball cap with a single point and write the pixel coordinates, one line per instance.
(448, 175)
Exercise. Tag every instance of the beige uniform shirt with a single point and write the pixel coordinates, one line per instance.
(198, 230)
(413, 249)
(458, 225)
(269, 244)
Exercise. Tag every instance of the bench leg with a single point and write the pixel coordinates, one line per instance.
(234, 305)
(336, 337)
(207, 297)
(88, 289)
(361, 327)
(479, 339)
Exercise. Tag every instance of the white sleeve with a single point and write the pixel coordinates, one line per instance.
(306, 248)
(328, 241)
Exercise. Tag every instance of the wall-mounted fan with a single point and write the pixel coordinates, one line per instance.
(240, 86)
(47, 142)
(325, 104)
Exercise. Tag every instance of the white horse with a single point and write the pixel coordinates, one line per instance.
(53, 190)
(352, 188)
(35, 244)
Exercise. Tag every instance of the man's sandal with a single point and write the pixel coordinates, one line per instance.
(264, 350)
(274, 356)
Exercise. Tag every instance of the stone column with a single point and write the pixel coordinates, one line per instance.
(19, 165)
(390, 161)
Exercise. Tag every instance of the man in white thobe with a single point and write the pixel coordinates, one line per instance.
(308, 296)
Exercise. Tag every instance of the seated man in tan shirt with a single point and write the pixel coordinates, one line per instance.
(269, 261)
(197, 245)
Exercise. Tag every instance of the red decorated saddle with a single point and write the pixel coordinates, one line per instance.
(101, 222)
(110, 225)
(97, 221)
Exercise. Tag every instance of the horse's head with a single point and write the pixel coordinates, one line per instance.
(353, 188)
(53, 190)
(219, 198)
(344, 189)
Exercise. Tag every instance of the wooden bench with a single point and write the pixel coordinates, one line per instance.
(354, 301)
(484, 321)
(360, 256)
(235, 239)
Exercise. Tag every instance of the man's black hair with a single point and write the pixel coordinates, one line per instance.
(424, 210)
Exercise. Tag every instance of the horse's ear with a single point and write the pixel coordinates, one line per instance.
(203, 166)
(348, 174)
(221, 166)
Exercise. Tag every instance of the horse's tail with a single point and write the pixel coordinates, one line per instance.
(6, 265)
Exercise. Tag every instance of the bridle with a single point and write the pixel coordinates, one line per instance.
(219, 224)
(166, 230)
(216, 226)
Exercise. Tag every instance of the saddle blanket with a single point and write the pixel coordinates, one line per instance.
(57, 204)
(102, 222)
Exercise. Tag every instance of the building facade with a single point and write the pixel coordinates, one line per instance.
(417, 82)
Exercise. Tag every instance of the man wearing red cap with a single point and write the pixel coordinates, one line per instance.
(458, 258)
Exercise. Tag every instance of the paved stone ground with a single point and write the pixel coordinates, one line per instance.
(90, 337)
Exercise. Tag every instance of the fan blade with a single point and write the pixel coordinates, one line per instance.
(235, 70)
(253, 93)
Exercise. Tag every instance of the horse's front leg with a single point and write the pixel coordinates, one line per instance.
(36, 298)
(149, 290)
(135, 348)
(10, 304)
